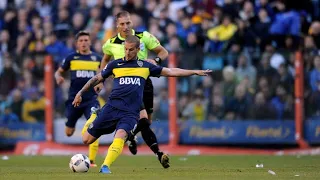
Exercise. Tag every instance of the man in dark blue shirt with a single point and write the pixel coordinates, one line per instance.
(83, 65)
(121, 112)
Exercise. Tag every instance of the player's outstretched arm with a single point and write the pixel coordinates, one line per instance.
(91, 83)
(177, 72)
(58, 76)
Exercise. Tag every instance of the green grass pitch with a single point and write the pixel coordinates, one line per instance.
(182, 168)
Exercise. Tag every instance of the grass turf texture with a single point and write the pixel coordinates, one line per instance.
(147, 167)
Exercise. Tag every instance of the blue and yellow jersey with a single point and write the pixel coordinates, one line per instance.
(128, 84)
(82, 69)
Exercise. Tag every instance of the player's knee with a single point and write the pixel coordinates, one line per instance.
(144, 122)
(143, 114)
(69, 131)
(86, 140)
(121, 133)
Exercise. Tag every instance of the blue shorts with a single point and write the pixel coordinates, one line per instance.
(110, 119)
(74, 113)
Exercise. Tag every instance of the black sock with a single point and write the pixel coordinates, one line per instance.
(142, 124)
(151, 140)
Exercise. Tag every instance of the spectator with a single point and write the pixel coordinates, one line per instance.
(264, 4)
(57, 49)
(283, 103)
(220, 34)
(7, 77)
(266, 70)
(163, 105)
(245, 70)
(8, 117)
(285, 78)
(216, 107)
(78, 23)
(244, 36)
(5, 44)
(237, 107)
(261, 109)
(197, 109)
(33, 109)
(315, 74)
(17, 103)
(314, 31)
(185, 28)
(230, 82)
(62, 26)
(247, 13)
(261, 28)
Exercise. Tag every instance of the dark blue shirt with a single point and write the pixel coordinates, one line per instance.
(82, 69)
(128, 84)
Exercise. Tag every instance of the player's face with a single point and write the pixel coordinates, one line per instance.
(131, 50)
(124, 25)
(83, 44)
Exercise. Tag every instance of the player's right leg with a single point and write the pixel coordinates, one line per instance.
(91, 114)
(72, 114)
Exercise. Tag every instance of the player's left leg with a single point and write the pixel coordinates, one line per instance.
(72, 115)
(92, 109)
(105, 123)
(125, 124)
(114, 150)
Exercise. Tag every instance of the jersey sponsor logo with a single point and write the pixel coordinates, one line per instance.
(94, 58)
(129, 80)
(84, 74)
(76, 57)
(120, 64)
(140, 63)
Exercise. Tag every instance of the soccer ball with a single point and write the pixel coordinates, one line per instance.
(79, 163)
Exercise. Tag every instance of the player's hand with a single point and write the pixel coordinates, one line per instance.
(59, 80)
(98, 87)
(203, 72)
(152, 61)
(77, 100)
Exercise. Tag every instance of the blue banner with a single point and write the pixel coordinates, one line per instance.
(312, 131)
(12, 133)
(238, 132)
(229, 132)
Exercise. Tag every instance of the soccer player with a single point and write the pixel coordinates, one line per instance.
(121, 112)
(83, 65)
(114, 48)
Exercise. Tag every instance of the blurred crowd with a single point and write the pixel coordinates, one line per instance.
(250, 45)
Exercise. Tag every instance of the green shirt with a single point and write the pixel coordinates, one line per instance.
(115, 45)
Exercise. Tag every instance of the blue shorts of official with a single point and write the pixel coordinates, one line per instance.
(111, 119)
(74, 113)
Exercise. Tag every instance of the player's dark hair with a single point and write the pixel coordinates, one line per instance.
(82, 33)
(122, 14)
(133, 39)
